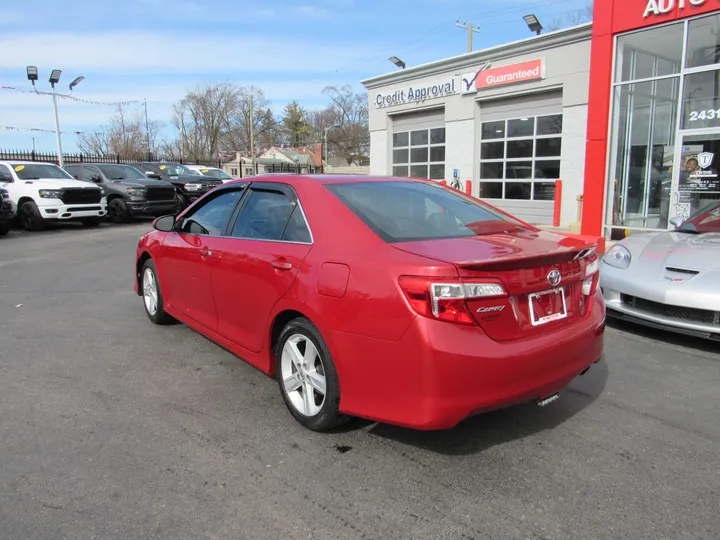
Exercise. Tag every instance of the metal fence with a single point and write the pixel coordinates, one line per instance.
(51, 157)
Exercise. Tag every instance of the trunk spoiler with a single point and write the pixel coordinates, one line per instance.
(528, 261)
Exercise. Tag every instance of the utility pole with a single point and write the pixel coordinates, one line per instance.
(470, 28)
(252, 132)
(147, 131)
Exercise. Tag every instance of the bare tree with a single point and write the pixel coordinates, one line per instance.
(572, 18)
(125, 135)
(349, 112)
(203, 117)
(265, 127)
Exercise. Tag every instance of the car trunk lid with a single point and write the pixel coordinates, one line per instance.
(527, 264)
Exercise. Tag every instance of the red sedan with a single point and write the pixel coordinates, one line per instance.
(391, 299)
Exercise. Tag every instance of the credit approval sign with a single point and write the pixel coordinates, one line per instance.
(512, 74)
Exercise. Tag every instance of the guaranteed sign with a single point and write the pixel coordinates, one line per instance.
(515, 73)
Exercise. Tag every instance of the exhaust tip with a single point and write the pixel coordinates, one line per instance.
(548, 400)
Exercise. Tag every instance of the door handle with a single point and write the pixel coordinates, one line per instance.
(205, 252)
(281, 264)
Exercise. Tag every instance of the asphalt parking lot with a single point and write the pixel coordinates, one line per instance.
(113, 428)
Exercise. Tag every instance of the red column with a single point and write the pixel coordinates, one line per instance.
(558, 203)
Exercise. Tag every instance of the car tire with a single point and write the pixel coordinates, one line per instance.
(30, 218)
(301, 374)
(152, 295)
(181, 202)
(118, 211)
(4, 227)
(91, 222)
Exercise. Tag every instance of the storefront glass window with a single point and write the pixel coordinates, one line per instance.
(701, 108)
(524, 161)
(703, 42)
(644, 150)
(650, 53)
(419, 153)
(661, 166)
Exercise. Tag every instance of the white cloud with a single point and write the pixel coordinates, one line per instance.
(312, 11)
(161, 52)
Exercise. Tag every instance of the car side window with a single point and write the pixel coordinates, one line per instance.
(92, 174)
(73, 170)
(213, 217)
(296, 229)
(263, 216)
(5, 174)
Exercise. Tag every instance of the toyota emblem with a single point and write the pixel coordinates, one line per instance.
(554, 278)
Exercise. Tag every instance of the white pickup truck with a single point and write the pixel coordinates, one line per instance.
(41, 193)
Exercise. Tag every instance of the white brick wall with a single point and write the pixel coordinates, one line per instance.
(572, 166)
(379, 152)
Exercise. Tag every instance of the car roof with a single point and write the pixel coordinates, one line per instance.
(289, 178)
(18, 162)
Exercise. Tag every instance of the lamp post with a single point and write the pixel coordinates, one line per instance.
(325, 143)
(533, 24)
(32, 75)
(399, 63)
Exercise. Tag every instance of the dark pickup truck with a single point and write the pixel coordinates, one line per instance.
(6, 212)
(128, 191)
(190, 185)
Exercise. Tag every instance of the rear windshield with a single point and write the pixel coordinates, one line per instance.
(412, 211)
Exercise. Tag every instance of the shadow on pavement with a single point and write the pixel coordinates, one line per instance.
(481, 432)
(664, 336)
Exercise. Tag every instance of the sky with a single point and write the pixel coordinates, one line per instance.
(158, 50)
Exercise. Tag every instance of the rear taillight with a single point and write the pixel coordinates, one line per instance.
(592, 265)
(444, 299)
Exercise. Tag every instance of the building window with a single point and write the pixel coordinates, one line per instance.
(520, 158)
(233, 172)
(644, 118)
(419, 153)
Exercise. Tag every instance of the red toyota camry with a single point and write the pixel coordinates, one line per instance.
(392, 299)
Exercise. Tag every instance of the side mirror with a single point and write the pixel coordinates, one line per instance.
(164, 223)
(151, 174)
(677, 222)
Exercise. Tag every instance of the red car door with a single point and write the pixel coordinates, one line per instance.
(186, 255)
(258, 262)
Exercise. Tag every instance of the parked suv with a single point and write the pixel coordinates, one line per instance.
(6, 212)
(41, 193)
(128, 191)
(189, 185)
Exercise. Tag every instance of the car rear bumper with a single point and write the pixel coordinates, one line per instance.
(66, 212)
(439, 373)
(152, 208)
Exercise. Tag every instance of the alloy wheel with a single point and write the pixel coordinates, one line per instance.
(303, 375)
(150, 291)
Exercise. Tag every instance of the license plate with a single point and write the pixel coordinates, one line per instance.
(547, 306)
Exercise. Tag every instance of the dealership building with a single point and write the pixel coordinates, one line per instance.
(623, 111)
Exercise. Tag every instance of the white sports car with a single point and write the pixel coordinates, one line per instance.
(670, 279)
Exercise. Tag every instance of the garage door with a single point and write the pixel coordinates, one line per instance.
(520, 148)
(418, 144)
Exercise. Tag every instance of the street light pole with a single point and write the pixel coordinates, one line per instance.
(32, 75)
(57, 128)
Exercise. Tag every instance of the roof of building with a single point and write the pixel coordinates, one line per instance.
(497, 52)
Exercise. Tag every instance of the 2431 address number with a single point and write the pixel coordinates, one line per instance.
(709, 114)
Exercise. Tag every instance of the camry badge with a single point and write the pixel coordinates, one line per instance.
(490, 309)
(554, 278)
